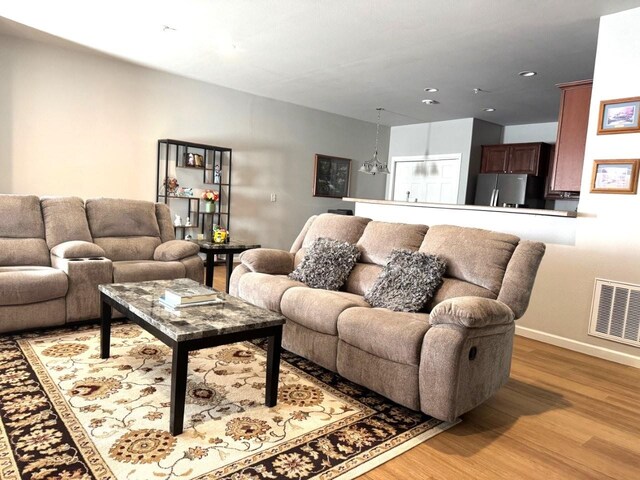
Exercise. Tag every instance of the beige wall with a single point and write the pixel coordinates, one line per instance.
(74, 122)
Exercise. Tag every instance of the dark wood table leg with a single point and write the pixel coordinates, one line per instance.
(273, 368)
(105, 327)
(208, 276)
(229, 270)
(178, 388)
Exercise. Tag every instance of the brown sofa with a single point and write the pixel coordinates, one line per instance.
(54, 252)
(443, 361)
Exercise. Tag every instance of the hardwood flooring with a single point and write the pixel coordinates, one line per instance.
(563, 415)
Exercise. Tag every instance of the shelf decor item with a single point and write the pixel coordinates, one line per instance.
(210, 197)
(619, 116)
(331, 176)
(615, 176)
(171, 185)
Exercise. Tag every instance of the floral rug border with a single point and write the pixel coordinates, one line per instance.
(85, 454)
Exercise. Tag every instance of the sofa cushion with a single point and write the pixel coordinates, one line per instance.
(77, 249)
(345, 228)
(395, 336)
(452, 288)
(165, 224)
(362, 278)
(116, 217)
(21, 216)
(472, 254)
(143, 270)
(381, 238)
(326, 264)
(64, 220)
(175, 250)
(407, 282)
(264, 290)
(24, 251)
(128, 248)
(24, 285)
(316, 309)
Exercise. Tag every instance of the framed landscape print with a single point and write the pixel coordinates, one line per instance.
(619, 116)
(331, 176)
(614, 176)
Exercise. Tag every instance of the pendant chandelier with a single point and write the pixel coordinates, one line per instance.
(374, 165)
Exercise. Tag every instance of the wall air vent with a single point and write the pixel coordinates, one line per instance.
(615, 312)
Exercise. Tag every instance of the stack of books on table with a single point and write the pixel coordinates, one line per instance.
(180, 297)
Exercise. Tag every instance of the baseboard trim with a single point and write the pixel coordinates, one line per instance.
(593, 350)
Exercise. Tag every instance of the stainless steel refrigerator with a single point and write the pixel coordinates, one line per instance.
(509, 190)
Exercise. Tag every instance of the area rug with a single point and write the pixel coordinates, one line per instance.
(67, 414)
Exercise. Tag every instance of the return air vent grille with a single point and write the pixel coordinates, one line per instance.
(615, 312)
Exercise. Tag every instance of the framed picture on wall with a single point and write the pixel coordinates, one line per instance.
(331, 176)
(619, 116)
(614, 176)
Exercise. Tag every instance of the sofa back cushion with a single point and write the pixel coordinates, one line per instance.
(344, 228)
(64, 220)
(379, 239)
(473, 255)
(22, 232)
(125, 229)
(163, 215)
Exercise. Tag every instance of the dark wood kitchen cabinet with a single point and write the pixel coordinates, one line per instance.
(565, 170)
(529, 158)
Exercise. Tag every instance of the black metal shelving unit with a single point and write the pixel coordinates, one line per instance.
(180, 160)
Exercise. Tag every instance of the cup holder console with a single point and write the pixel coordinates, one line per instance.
(85, 259)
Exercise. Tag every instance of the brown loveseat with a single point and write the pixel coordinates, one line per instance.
(443, 361)
(54, 252)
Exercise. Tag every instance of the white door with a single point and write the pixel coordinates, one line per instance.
(430, 179)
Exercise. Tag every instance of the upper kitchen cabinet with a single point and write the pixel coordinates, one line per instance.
(529, 158)
(565, 171)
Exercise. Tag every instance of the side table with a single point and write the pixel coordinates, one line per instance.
(229, 249)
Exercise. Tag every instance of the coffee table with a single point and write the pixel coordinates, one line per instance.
(191, 328)
(229, 249)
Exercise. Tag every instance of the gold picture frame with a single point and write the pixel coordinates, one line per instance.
(619, 116)
(615, 176)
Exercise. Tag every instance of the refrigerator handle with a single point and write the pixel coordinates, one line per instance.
(494, 199)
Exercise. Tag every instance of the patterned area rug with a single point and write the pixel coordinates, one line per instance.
(67, 414)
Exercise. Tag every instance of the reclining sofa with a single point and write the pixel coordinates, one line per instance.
(54, 252)
(444, 360)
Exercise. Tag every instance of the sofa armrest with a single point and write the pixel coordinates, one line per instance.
(77, 249)
(471, 312)
(268, 260)
(175, 250)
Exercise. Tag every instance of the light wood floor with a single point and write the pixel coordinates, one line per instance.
(563, 415)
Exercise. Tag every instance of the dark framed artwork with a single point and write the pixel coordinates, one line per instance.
(614, 176)
(331, 176)
(619, 116)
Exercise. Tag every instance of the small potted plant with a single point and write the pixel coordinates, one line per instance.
(210, 197)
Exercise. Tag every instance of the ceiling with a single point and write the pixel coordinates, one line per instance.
(348, 57)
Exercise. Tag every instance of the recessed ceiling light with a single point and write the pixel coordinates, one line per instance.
(428, 101)
(430, 89)
(490, 109)
(527, 73)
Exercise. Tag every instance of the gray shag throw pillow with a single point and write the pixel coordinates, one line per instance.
(407, 282)
(326, 264)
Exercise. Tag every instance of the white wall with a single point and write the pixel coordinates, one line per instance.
(74, 122)
(607, 230)
(453, 136)
(532, 132)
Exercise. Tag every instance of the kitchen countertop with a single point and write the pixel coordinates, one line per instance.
(482, 208)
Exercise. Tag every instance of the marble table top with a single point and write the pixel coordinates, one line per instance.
(188, 323)
(232, 245)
